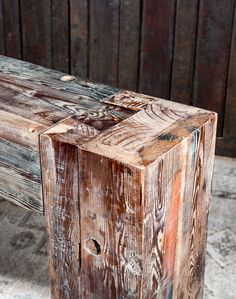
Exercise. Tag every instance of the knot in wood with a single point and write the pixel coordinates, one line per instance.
(93, 246)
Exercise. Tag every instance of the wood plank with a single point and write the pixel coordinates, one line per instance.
(226, 147)
(30, 105)
(79, 34)
(193, 215)
(60, 35)
(111, 227)
(160, 235)
(158, 120)
(129, 44)
(36, 31)
(60, 163)
(184, 50)
(214, 29)
(12, 28)
(62, 210)
(19, 130)
(51, 80)
(230, 104)
(157, 47)
(24, 192)
(2, 35)
(137, 101)
(176, 213)
(20, 159)
(52, 106)
(104, 38)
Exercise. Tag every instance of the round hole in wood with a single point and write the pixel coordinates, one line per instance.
(93, 246)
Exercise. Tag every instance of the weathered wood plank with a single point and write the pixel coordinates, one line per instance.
(19, 130)
(2, 35)
(24, 192)
(60, 164)
(104, 41)
(229, 131)
(214, 29)
(157, 47)
(20, 159)
(176, 215)
(226, 147)
(160, 235)
(79, 35)
(137, 101)
(44, 77)
(50, 106)
(111, 209)
(129, 44)
(12, 28)
(27, 104)
(36, 31)
(184, 50)
(60, 35)
(193, 215)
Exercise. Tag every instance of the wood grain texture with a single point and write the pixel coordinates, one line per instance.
(21, 159)
(24, 192)
(12, 28)
(184, 50)
(104, 39)
(194, 209)
(60, 28)
(125, 179)
(2, 35)
(175, 243)
(60, 163)
(230, 104)
(29, 105)
(129, 33)
(157, 47)
(134, 213)
(20, 165)
(214, 29)
(36, 31)
(79, 35)
(51, 79)
(111, 209)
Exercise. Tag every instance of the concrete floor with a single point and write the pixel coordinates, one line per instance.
(220, 275)
(23, 258)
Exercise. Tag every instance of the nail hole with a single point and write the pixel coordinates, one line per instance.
(93, 246)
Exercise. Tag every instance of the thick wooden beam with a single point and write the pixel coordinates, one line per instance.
(126, 182)
(140, 203)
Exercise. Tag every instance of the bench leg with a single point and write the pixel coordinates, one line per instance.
(120, 231)
(62, 212)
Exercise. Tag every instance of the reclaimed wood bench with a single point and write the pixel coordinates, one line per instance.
(124, 180)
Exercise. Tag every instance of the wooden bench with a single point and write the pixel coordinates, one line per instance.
(124, 180)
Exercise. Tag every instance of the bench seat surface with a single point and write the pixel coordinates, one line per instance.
(34, 99)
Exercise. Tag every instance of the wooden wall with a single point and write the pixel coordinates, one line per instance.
(176, 49)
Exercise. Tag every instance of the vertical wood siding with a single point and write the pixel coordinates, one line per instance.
(177, 49)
